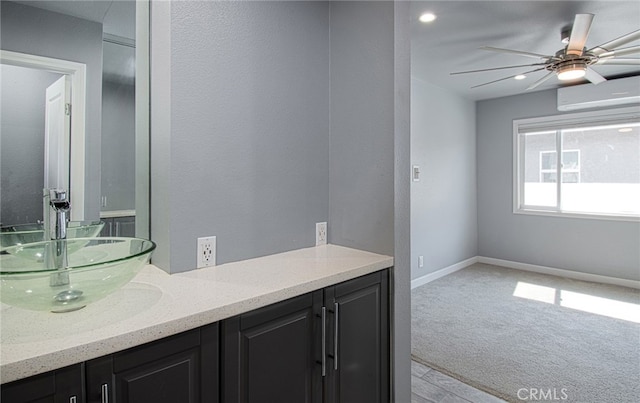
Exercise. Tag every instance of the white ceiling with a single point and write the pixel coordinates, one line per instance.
(451, 42)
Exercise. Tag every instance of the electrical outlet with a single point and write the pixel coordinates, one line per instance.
(206, 252)
(420, 261)
(321, 233)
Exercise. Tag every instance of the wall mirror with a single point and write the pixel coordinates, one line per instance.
(75, 111)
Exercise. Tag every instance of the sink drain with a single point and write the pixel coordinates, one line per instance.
(66, 297)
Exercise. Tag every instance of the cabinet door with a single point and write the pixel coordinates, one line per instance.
(124, 226)
(181, 368)
(107, 230)
(273, 354)
(60, 386)
(359, 340)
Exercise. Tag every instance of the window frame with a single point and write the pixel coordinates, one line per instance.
(555, 123)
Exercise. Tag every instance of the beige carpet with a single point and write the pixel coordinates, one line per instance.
(530, 337)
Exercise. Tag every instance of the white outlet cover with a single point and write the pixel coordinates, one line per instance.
(321, 233)
(206, 252)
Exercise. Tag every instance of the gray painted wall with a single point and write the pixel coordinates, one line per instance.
(160, 205)
(362, 126)
(22, 142)
(34, 31)
(444, 221)
(401, 284)
(603, 247)
(249, 141)
(250, 144)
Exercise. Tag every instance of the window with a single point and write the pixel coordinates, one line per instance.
(570, 166)
(596, 155)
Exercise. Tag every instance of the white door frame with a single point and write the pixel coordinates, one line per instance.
(77, 74)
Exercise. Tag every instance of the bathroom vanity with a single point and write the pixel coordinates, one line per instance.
(296, 326)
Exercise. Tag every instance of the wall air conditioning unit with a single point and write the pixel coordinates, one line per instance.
(609, 93)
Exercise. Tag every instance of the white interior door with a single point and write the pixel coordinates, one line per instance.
(57, 134)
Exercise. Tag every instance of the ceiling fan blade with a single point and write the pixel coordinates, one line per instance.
(497, 68)
(611, 45)
(579, 33)
(506, 78)
(619, 62)
(622, 52)
(540, 81)
(594, 76)
(517, 52)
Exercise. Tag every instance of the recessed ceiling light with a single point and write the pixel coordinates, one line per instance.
(427, 17)
(520, 77)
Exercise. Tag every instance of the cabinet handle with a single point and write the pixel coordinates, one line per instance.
(335, 338)
(105, 393)
(324, 341)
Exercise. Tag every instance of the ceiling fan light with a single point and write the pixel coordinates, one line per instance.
(572, 71)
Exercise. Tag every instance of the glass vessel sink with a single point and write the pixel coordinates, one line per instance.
(96, 268)
(27, 233)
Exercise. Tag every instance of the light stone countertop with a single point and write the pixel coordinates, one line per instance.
(156, 305)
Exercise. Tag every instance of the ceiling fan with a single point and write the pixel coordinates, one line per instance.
(573, 61)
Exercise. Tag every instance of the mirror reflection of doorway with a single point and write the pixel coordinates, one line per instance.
(18, 207)
(76, 38)
(24, 160)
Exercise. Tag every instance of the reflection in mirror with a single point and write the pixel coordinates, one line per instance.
(36, 99)
(110, 179)
(117, 200)
(22, 130)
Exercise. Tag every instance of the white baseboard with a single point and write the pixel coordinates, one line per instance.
(427, 278)
(596, 278)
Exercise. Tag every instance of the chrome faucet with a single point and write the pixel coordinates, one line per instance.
(56, 231)
(61, 206)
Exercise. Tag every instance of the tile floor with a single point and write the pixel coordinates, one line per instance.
(431, 386)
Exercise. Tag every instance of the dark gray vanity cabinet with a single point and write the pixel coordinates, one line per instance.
(180, 368)
(330, 345)
(65, 385)
(327, 346)
(269, 355)
(358, 340)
